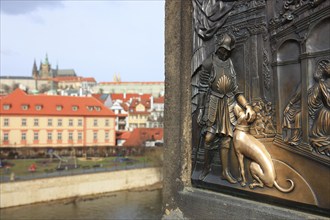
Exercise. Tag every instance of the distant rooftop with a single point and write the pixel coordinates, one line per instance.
(16, 77)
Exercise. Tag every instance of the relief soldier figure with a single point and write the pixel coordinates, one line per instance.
(218, 94)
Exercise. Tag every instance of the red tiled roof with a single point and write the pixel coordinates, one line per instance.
(50, 103)
(123, 135)
(124, 106)
(74, 79)
(140, 135)
(66, 78)
(88, 79)
(159, 100)
(98, 97)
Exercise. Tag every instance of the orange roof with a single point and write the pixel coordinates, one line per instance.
(124, 106)
(140, 135)
(159, 100)
(66, 78)
(70, 105)
(123, 135)
(88, 79)
(98, 97)
(74, 79)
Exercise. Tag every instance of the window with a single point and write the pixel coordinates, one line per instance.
(59, 136)
(5, 137)
(23, 137)
(6, 106)
(90, 108)
(107, 122)
(70, 122)
(75, 108)
(6, 122)
(36, 136)
(38, 107)
(23, 121)
(106, 136)
(25, 107)
(59, 122)
(49, 136)
(97, 108)
(50, 122)
(36, 122)
(95, 122)
(80, 122)
(79, 136)
(70, 136)
(95, 136)
(59, 107)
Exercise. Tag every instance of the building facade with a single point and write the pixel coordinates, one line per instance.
(155, 88)
(54, 121)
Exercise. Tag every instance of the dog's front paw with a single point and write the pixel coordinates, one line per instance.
(243, 184)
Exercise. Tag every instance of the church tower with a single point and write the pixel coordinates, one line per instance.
(35, 72)
(45, 68)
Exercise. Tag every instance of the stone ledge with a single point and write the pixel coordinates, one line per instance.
(196, 204)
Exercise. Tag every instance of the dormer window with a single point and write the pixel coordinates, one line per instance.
(90, 108)
(75, 108)
(59, 107)
(25, 107)
(97, 108)
(6, 106)
(38, 107)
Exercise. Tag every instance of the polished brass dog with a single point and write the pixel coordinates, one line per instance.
(246, 145)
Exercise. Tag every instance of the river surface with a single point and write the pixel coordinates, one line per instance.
(118, 205)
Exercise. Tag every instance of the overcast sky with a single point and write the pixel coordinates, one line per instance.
(95, 38)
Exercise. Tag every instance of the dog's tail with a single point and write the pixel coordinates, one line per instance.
(282, 189)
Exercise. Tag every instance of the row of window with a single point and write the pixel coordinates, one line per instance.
(58, 107)
(59, 136)
(50, 122)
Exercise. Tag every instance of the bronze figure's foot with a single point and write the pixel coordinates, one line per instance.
(204, 173)
(226, 175)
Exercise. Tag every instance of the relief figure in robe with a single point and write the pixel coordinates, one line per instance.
(319, 108)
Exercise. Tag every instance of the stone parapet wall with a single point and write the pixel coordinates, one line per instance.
(42, 190)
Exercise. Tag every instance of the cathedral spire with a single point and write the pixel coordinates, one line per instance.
(35, 73)
(46, 59)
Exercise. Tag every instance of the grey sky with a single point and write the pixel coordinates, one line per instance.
(96, 38)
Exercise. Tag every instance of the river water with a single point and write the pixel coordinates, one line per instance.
(119, 205)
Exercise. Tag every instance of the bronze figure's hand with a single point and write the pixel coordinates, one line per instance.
(250, 114)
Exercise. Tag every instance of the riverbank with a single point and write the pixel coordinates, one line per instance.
(115, 205)
(50, 189)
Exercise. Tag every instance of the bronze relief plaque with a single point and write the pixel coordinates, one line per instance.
(261, 100)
